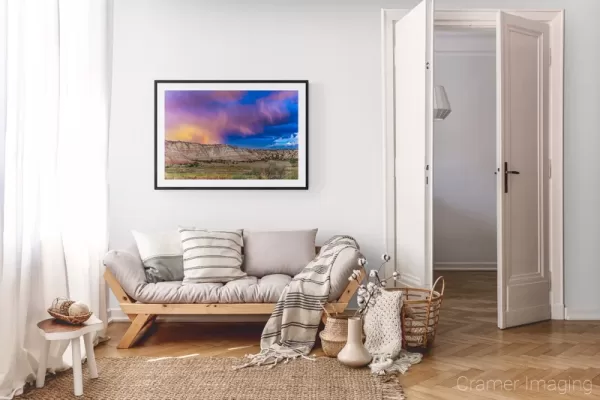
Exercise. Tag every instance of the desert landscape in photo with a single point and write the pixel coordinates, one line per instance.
(188, 160)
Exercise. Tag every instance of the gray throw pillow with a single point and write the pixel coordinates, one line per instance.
(161, 254)
(283, 252)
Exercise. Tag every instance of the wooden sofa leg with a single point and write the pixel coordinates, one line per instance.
(140, 324)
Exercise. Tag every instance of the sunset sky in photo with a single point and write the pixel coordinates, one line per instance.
(258, 119)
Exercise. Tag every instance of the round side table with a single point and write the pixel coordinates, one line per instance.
(52, 329)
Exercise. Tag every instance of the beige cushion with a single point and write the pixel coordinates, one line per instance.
(211, 256)
(283, 252)
(244, 290)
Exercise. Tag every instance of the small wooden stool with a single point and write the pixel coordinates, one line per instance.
(52, 329)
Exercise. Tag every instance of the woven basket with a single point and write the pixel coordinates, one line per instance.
(420, 315)
(335, 335)
(330, 347)
(74, 320)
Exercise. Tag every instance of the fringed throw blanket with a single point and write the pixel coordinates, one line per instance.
(383, 330)
(291, 330)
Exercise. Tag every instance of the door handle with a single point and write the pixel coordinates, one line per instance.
(506, 172)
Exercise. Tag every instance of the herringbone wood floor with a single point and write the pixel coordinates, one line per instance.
(471, 358)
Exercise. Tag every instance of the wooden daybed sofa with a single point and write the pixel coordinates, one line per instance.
(137, 298)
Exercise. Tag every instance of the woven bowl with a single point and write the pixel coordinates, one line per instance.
(70, 319)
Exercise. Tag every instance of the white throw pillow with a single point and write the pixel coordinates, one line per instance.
(161, 255)
(211, 256)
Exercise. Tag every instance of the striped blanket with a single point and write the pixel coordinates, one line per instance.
(290, 331)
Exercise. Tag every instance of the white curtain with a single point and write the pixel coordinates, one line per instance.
(54, 97)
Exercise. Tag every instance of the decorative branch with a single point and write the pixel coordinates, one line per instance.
(367, 295)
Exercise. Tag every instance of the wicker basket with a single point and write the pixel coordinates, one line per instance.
(420, 315)
(335, 335)
(74, 320)
(330, 347)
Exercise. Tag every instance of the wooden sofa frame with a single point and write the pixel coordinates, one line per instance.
(143, 315)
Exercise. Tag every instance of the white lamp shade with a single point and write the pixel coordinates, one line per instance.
(441, 105)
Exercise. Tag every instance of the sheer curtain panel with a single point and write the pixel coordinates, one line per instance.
(55, 58)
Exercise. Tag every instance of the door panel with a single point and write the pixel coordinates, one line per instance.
(413, 73)
(523, 265)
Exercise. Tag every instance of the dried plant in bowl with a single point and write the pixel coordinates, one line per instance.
(69, 311)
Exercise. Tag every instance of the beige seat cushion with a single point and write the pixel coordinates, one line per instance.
(244, 290)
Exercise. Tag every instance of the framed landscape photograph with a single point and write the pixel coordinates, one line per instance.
(231, 134)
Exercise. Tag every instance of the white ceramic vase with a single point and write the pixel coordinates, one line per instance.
(354, 354)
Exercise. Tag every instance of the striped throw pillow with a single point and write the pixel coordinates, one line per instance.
(211, 256)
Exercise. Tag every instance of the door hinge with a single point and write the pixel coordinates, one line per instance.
(427, 174)
(427, 65)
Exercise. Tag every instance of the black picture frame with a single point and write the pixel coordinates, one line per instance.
(305, 86)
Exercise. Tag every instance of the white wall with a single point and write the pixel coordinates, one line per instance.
(337, 52)
(464, 192)
(336, 45)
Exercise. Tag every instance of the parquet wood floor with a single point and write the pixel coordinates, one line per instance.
(471, 358)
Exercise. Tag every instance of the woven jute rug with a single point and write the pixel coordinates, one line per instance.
(214, 378)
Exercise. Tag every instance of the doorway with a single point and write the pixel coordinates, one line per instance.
(464, 169)
(526, 262)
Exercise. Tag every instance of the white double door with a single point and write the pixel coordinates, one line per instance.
(522, 160)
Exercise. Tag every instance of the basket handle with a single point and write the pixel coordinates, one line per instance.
(435, 284)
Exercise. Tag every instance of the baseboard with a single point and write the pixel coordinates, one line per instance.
(117, 315)
(465, 266)
(580, 314)
(558, 311)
